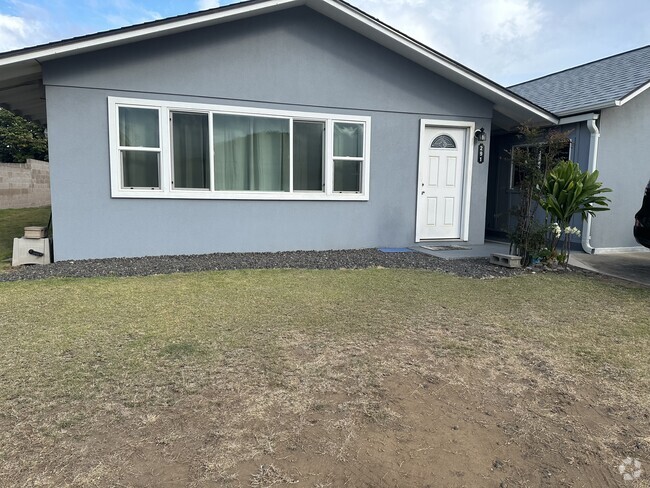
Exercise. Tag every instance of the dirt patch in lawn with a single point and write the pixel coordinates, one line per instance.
(358, 414)
(441, 397)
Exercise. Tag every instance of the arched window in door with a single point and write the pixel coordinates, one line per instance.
(443, 141)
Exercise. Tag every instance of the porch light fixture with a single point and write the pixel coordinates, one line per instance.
(480, 135)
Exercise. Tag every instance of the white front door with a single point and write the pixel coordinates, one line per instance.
(441, 183)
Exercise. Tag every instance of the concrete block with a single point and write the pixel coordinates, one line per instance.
(24, 185)
(507, 260)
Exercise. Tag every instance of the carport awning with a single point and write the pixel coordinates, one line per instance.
(22, 91)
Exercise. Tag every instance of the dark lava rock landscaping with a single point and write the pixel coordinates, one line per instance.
(353, 259)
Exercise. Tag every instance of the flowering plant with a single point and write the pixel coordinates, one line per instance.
(550, 254)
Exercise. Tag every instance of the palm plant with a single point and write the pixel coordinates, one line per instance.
(567, 191)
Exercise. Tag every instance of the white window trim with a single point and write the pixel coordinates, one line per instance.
(166, 190)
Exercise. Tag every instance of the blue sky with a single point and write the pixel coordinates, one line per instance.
(506, 40)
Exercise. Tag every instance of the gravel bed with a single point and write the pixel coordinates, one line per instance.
(354, 259)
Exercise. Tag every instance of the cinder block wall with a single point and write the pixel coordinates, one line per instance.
(24, 185)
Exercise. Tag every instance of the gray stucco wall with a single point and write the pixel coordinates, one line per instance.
(624, 166)
(292, 60)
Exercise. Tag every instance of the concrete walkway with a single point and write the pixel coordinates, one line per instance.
(630, 266)
(462, 250)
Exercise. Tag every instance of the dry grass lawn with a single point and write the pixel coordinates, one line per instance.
(371, 378)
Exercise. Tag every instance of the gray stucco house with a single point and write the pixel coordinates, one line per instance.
(605, 105)
(268, 125)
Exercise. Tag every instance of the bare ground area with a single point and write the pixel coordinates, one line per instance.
(395, 378)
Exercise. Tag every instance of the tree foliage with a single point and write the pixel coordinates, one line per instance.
(20, 139)
(533, 159)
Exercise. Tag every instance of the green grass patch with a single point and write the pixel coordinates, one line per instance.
(65, 336)
(180, 350)
(12, 222)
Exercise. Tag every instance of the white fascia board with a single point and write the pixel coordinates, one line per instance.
(146, 32)
(634, 94)
(578, 118)
(394, 40)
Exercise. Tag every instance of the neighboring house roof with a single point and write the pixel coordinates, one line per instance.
(600, 84)
(21, 84)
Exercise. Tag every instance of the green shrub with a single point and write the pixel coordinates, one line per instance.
(567, 191)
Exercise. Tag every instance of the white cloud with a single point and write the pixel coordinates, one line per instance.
(207, 4)
(17, 32)
(489, 36)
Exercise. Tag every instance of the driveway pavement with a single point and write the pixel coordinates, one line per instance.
(631, 266)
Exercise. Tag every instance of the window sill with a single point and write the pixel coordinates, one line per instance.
(253, 195)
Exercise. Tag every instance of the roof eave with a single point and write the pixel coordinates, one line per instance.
(504, 101)
(588, 108)
(14, 64)
(635, 93)
(572, 119)
(145, 31)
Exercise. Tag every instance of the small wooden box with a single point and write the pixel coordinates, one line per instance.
(35, 232)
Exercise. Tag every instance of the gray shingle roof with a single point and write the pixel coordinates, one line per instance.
(591, 85)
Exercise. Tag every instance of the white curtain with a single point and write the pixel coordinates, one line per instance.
(348, 140)
(251, 153)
